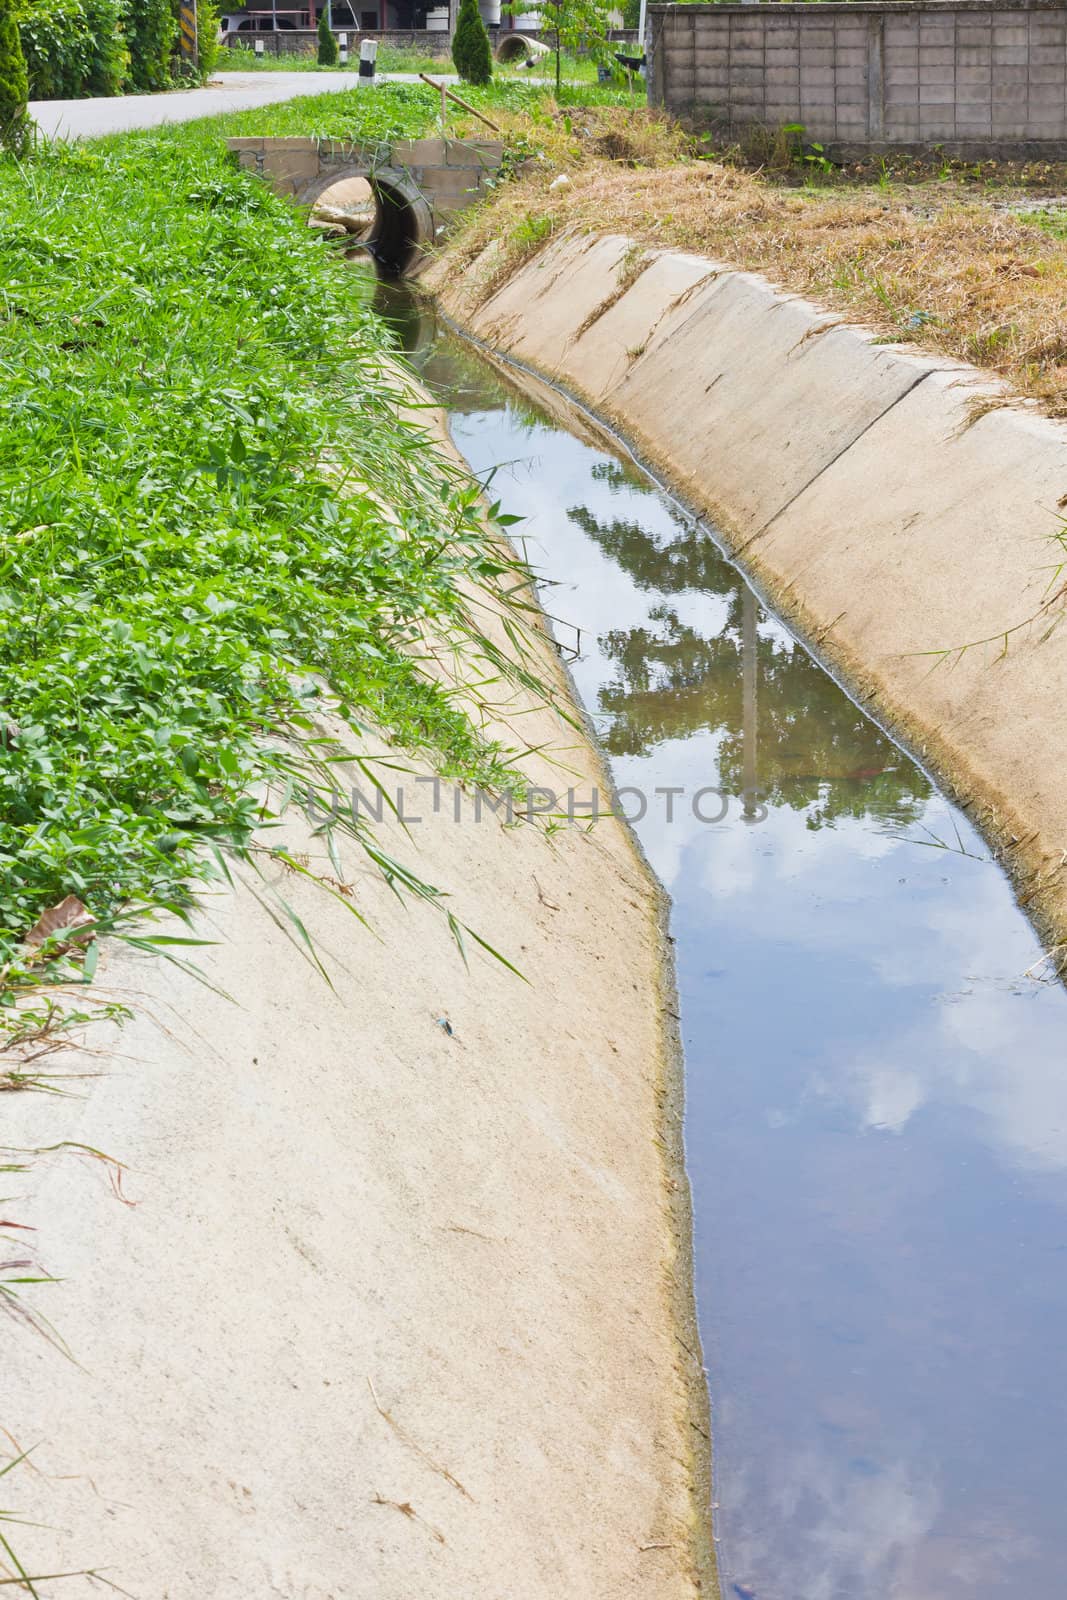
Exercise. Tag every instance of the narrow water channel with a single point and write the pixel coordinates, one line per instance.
(876, 1093)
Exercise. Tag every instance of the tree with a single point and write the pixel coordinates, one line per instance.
(577, 26)
(328, 51)
(470, 47)
(16, 130)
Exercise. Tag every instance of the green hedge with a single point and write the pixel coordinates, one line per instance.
(77, 48)
(73, 47)
(207, 35)
(152, 35)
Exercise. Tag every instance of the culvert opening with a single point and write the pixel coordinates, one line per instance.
(381, 215)
(517, 49)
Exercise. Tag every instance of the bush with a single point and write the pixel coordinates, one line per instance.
(207, 36)
(328, 51)
(16, 130)
(470, 47)
(152, 31)
(73, 48)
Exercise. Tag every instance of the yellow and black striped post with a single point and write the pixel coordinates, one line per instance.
(187, 23)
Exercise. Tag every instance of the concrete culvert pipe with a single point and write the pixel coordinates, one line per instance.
(384, 213)
(348, 207)
(404, 225)
(517, 47)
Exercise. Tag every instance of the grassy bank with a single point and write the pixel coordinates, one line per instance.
(962, 259)
(196, 431)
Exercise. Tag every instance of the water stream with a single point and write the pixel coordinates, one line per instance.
(876, 1090)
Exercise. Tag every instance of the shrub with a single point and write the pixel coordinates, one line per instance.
(152, 31)
(73, 48)
(109, 57)
(16, 130)
(207, 36)
(328, 51)
(470, 47)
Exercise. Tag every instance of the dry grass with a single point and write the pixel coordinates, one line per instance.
(965, 269)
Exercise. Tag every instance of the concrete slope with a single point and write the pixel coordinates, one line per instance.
(894, 504)
(400, 1303)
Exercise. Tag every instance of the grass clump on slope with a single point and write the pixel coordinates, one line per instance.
(194, 419)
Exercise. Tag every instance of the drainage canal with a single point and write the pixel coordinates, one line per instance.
(876, 1121)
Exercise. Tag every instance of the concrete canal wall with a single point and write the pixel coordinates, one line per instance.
(896, 505)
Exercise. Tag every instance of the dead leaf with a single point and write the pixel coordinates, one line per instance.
(68, 915)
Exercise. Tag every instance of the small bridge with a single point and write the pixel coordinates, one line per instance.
(418, 184)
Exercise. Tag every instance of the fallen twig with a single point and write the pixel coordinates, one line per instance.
(402, 1433)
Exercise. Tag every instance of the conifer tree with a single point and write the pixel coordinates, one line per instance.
(328, 51)
(16, 130)
(470, 46)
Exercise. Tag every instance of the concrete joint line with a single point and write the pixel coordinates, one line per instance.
(834, 459)
(687, 294)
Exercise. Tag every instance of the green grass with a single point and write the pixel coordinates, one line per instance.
(577, 70)
(390, 58)
(194, 417)
(404, 110)
(392, 111)
(1050, 219)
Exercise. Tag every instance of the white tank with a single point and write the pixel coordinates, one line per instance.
(489, 11)
(437, 20)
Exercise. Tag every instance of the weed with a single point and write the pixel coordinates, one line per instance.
(530, 231)
(194, 415)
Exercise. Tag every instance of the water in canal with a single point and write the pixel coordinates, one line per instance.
(876, 1091)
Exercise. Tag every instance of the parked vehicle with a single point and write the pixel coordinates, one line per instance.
(235, 26)
(243, 22)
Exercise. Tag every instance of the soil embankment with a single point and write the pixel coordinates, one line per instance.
(401, 1301)
(895, 505)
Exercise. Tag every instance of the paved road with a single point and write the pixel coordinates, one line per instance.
(229, 91)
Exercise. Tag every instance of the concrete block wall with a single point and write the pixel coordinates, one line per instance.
(976, 77)
(304, 41)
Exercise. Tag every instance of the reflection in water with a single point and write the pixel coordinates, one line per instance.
(876, 1096)
(818, 753)
(749, 726)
